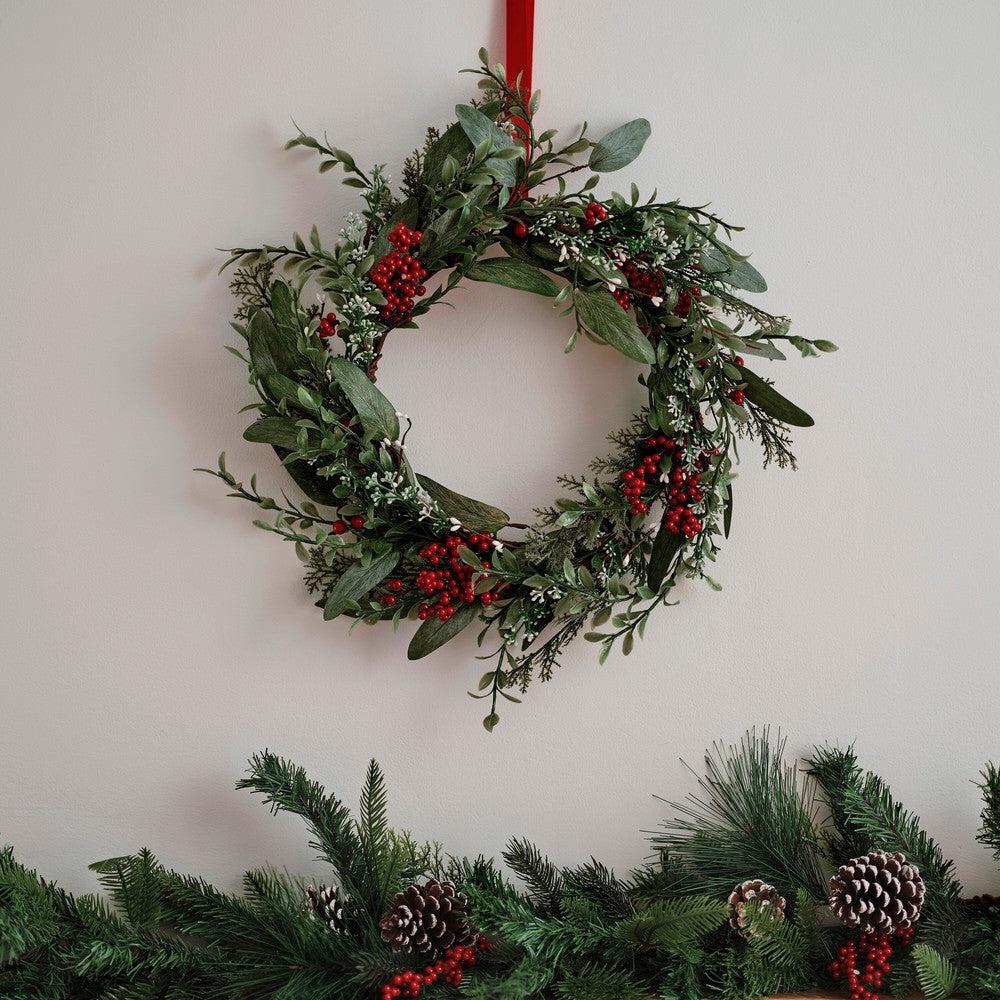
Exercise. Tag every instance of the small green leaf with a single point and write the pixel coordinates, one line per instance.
(668, 543)
(489, 723)
(357, 581)
(620, 146)
(602, 315)
(434, 633)
(377, 414)
(727, 514)
(773, 403)
(473, 514)
(513, 273)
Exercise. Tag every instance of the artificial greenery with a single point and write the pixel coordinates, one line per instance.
(655, 280)
(568, 933)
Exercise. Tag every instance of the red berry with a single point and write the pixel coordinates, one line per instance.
(357, 522)
(520, 230)
(737, 396)
(339, 527)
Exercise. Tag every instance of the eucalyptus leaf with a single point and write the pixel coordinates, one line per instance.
(667, 544)
(434, 633)
(270, 350)
(773, 403)
(278, 431)
(513, 273)
(601, 314)
(377, 414)
(473, 514)
(731, 271)
(357, 581)
(620, 146)
(477, 128)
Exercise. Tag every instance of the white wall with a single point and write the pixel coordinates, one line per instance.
(153, 639)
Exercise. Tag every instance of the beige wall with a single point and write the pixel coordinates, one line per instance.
(152, 638)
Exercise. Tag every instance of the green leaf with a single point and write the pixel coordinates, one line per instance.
(473, 514)
(477, 128)
(602, 315)
(733, 272)
(668, 543)
(727, 514)
(513, 274)
(357, 581)
(378, 415)
(434, 633)
(279, 431)
(271, 351)
(773, 403)
(286, 315)
(453, 142)
(620, 146)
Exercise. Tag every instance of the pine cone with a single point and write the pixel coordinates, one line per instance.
(324, 903)
(427, 918)
(878, 892)
(757, 891)
(982, 906)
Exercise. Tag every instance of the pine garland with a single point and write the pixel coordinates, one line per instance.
(559, 933)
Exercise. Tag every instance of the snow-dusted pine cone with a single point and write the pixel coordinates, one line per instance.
(877, 892)
(324, 902)
(432, 917)
(757, 891)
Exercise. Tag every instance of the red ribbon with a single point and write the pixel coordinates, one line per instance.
(520, 38)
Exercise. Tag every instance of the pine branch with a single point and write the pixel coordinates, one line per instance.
(133, 882)
(595, 882)
(836, 771)
(286, 788)
(751, 817)
(673, 925)
(989, 832)
(937, 976)
(541, 876)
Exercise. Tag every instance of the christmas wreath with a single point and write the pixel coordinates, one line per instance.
(657, 281)
(767, 882)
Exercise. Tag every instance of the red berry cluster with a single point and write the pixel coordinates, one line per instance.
(641, 281)
(876, 950)
(645, 282)
(685, 300)
(454, 581)
(393, 587)
(328, 325)
(634, 480)
(594, 212)
(450, 967)
(684, 492)
(340, 526)
(399, 275)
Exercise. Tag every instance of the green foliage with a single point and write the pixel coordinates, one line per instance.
(938, 977)
(751, 815)
(494, 199)
(989, 832)
(575, 932)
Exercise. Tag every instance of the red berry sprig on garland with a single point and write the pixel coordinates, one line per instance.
(450, 580)
(876, 949)
(450, 967)
(399, 275)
